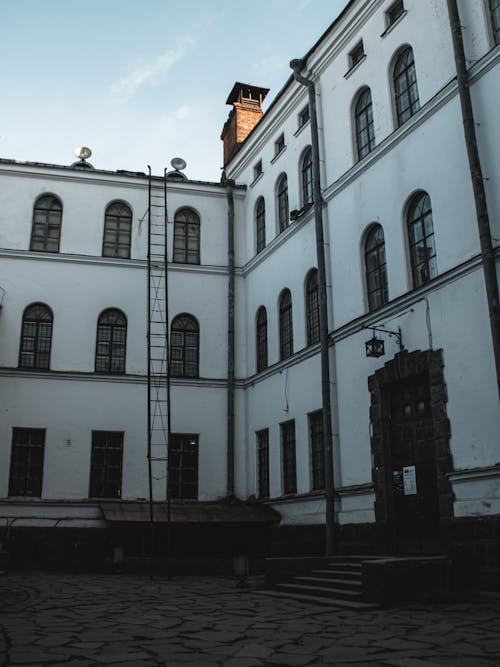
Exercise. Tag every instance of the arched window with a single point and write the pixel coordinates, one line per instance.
(117, 231)
(421, 239)
(184, 346)
(375, 267)
(260, 224)
(46, 229)
(36, 337)
(187, 237)
(282, 199)
(312, 307)
(495, 19)
(111, 342)
(286, 324)
(405, 86)
(261, 339)
(307, 178)
(363, 121)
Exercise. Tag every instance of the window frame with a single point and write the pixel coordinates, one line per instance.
(279, 145)
(363, 122)
(30, 482)
(408, 73)
(285, 324)
(41, 357)
(288, 458)
(282, 203)
(189, 367)
(375, 263)
(262, 444)
(101, 483)
(306, 178)
(356, 54)
(257, 170)
(304, 116)
(424, 220)
(187, 237)
(116, 247)
(494, 20)
(261, 341)
(260, 225)
(50, 223)
(111, 362)
(394, 12)
(312, 307)
(186, 447)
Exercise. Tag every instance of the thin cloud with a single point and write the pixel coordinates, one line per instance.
(153, 71)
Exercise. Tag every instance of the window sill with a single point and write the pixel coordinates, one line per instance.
(393, 25)
(278, 155)
(256, 179)
(354, 67)
(299, 129)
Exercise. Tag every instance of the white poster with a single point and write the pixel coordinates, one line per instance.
(409, 480)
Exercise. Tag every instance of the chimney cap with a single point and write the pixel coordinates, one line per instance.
(247, 91)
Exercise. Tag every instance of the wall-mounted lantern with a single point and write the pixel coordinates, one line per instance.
(375, 346)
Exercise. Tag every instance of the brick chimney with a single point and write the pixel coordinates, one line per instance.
(243, 117)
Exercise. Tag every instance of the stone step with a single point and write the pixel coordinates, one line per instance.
(329, 582)
(320, 591)
(326, 602)
(340, 574)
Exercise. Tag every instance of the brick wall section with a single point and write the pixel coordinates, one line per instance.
(242, 119)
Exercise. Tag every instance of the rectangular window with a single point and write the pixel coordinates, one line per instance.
(279, 144)
(357, 54)
(26, 462)
(303, 116)
(289, 467)
(183, 466)
(106, 464)
(394, 12)
(257, 170)
(263, 462)
(495, 19)
(316, 448)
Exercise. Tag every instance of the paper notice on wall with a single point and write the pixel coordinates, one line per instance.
(409, 480)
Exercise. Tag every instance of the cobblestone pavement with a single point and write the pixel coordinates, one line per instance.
(133, 621)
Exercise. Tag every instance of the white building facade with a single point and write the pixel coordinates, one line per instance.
(416, 447)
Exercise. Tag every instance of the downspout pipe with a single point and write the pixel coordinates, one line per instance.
(330, 541)
(230, 337)
(483, 222)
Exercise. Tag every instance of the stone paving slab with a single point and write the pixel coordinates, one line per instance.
(133, 621)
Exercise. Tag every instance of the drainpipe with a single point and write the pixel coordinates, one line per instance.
(483, 223)
(330, 542)
(230, 337)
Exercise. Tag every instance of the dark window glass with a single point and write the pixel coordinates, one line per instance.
(421, 240)
(187, 237)
(106, 464)
(376, 270)
(303, 116)
(46, 229)
(317, 452)
(111, 342)
(261, 339)
(183, 466)
(279, 144)
(36, 337)
(288, 457)
(495, 19)
(260, 224)
(405, 86)
(312, 308)
(282, 194)
(257, 170)
(307, 178)
(26, 462)
(184, 347)
(286, 325)
(117, 231)
(394, 12)
(363, 118)
(357, 54)
(263, 462)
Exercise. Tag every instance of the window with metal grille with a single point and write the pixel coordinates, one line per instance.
(495, 19)
(183, 466)
(286, 324)
(307, 178)
(289, 468)
(282, 199)
(260, 224)
(111, 343)
(36, 337)
(394, 12)
(26, 462)
(117, 231)
(405, 86)
(106, 464)
(363, 120)
(263, 462)
(312, 307)
(187, 237)
(316, 447)
(421, 239)
(304, 116)
(376, 269)
(357, 54)
(261, 339)
(46, 228)
(184, 346)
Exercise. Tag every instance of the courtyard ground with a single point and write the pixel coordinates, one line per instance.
(133, 621)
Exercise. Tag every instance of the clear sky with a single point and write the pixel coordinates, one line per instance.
(141, 81)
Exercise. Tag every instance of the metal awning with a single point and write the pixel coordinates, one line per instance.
(195, 512)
